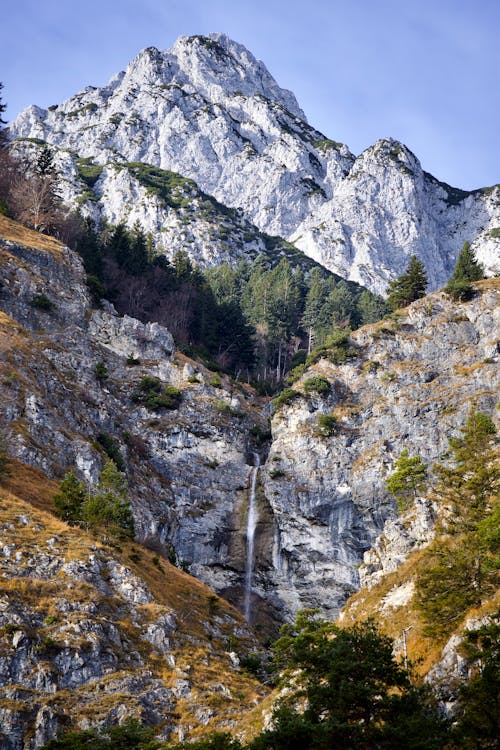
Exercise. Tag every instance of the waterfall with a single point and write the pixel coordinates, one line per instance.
(252, 519)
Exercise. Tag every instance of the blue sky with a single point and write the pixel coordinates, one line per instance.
(424, 72)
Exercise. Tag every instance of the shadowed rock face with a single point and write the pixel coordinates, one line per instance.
(207, 110)
(321, 500)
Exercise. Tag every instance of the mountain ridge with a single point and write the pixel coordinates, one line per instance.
(361, 217)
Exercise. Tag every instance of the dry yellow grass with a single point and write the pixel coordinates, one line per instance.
(12, 231)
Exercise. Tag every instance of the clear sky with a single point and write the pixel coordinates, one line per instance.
(423, 71)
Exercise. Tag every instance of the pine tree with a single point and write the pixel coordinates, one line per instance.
(68, 501)
(407, 480)
(408, 287)
(371, 307)
(109, 508)
(346, 690)
(467, 269)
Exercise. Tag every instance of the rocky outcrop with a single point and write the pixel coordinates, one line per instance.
(409, 384)
(188, 468)
(208, 111)
(89, 638)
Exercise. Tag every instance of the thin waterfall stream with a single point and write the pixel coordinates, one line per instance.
(252, 519)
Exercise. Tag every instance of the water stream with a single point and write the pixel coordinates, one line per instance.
(252, 519)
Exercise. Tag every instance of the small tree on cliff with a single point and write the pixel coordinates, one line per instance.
(467, 269)
(407, 480)
(408, 287)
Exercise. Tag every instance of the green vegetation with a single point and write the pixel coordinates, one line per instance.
(325, 145)
(494, 233)
(154, 396)
(407, 480)
(101, 371)
(129, 736)
(478, 718)
(112, 449)
(286, 396)
(461, 567)
(68, 501)
(42, 302)
(317, 384)
(346, 690)
(408, 287)
(88, 172)
(102, 508)
(327, 424)
(467, 269)
(246, 319)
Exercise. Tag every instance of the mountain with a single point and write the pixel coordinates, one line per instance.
(92, 631)
(208, 111)
(407, 382)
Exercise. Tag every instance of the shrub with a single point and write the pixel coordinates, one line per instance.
(153, 396)
(112, 449)
(317, 384)
(132, 361)
(327, 424)
(286, 396)
(42, 302)
(215, 381)
(101, 372)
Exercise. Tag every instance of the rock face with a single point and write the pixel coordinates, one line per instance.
(322, 501)
(409, 384)
(188, 468)
(207, 110)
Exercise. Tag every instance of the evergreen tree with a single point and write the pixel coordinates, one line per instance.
(342, 305)
(478, 718)
(467, 269)
(68, 501)
(408, 287)
(461, 568)
(407, 480)
(346, 690)
(371, 307)
(108, 508)
(314, 301)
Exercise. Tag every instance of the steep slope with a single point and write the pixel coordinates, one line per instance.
(209, 111)
(188, 467)
(91, 635)
(407, 383)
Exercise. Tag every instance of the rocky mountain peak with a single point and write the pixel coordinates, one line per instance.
(210, 111)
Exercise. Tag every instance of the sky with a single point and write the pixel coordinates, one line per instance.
(422, 71)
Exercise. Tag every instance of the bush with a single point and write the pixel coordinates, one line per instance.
(112, 449)
(215, 381)
(42, 302)
(317, 384)
(154, 397)
(286, 396)
(101, 372)
(327, 424)
(132, 361)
